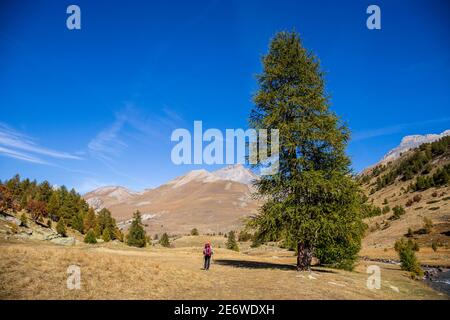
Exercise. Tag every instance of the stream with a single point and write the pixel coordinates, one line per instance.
(436, 277)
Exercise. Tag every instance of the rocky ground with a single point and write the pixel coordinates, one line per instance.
(12, 228)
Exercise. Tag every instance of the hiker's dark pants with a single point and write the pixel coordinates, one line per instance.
(207, 262)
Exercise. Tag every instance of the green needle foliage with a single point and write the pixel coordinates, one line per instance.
(407, 254)
(106, 235)
(61, 228)
(106, 225)
(90, 237)
(398, 212)
(23, 220)
(313, 204)
(164, 241)
(43, 202)
(231, 241)
(90, 220)
(427, 225)
(137, 236)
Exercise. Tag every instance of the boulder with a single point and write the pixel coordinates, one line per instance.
(65, 241)
(44, 234)
(13, 220)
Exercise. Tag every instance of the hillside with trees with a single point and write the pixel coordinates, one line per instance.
(410, 197)
(424, 167)
(56, 206)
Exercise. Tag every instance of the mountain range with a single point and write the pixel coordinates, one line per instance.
(212, 202)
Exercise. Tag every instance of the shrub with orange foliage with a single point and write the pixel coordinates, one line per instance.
(38, 209)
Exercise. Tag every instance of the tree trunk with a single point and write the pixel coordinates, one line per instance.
(304, 257)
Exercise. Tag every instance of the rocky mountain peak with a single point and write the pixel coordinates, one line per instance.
(237, 173)
(411, 142)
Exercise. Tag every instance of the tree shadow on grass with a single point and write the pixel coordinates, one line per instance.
(254, 264)
(262, 265)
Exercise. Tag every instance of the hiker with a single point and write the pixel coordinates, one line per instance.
(207, 253)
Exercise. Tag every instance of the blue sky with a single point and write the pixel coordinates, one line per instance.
(97, 106)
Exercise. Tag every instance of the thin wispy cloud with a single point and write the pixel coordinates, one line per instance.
(385, 131)
(20, 146)
(130, 128)
(108, 143)
(130, 123)
(21, 156)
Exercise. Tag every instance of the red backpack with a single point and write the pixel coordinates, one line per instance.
(207, 250)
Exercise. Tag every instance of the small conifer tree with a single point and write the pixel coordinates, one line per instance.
(90, 221)
(136, 236)
(90, 237)
(231, 242)
(61, 227)
(23, 220)
(164, 241)
(434, 246)
(427, 225)
(398, 212)
(118, 234)
(106, 235)
(406, 251)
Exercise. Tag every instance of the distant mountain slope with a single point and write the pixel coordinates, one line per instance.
(423, 167)
(418, 182)
(236, 173)
(192, 176)
(411, 142)
(209, 201)
(107, 196)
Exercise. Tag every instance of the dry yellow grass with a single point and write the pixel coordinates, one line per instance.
(383, 231)
(113, 271)
(426, 256)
